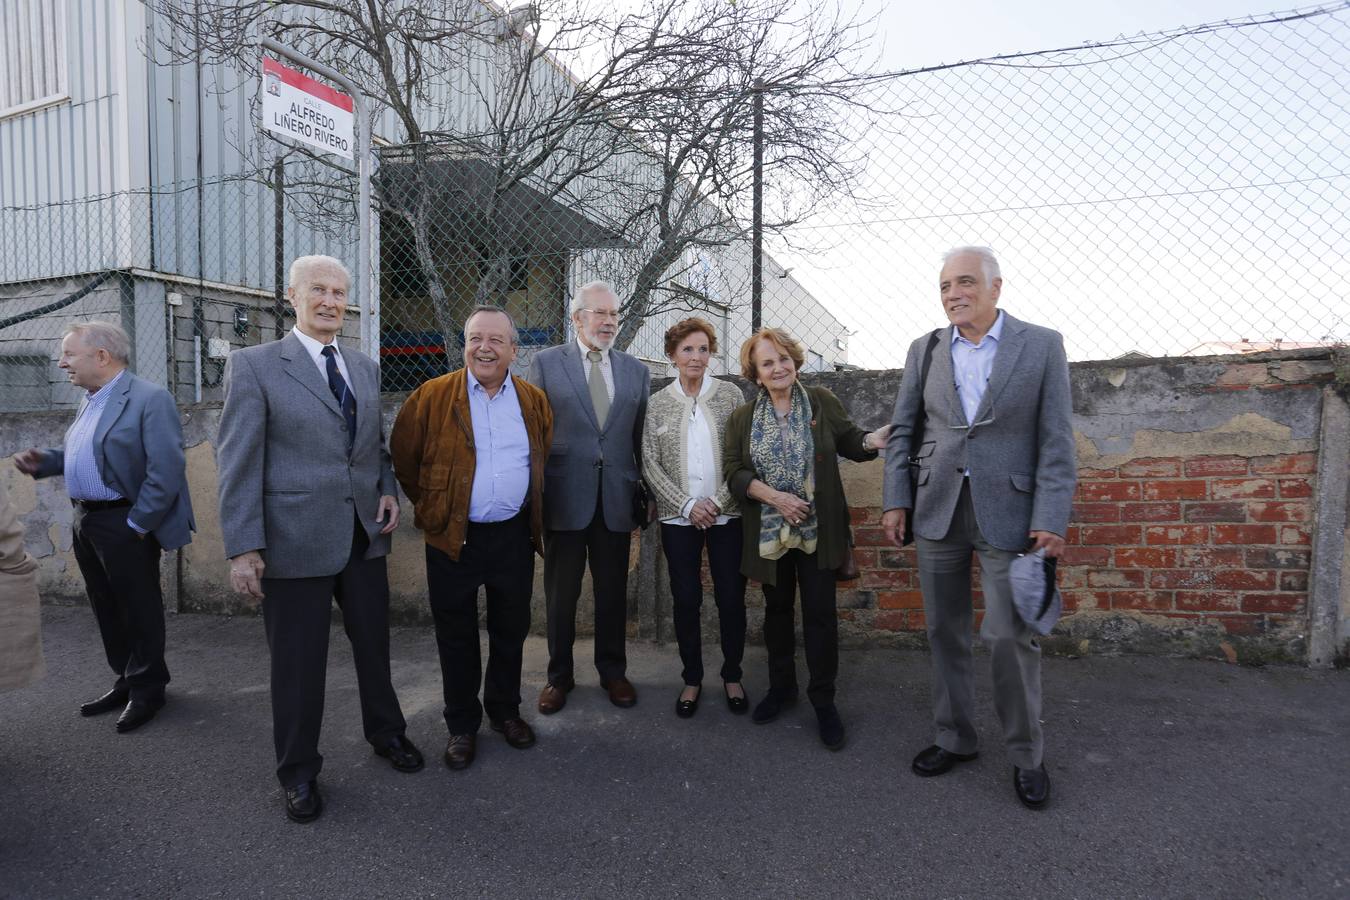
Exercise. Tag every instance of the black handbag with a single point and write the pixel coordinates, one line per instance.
(641, 502)
(916, 436)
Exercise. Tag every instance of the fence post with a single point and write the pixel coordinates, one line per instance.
(279, 248)
(757, 213)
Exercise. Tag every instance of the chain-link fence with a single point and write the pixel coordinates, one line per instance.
(1176, 192)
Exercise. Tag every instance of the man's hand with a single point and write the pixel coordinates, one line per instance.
(704, 514)
(27, 461)
(388, 507)
(246, 574)
(893, 525)
(1053, 543)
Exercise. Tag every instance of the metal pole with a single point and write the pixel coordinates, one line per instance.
(364, 289)
(279, 248)
(757, 214)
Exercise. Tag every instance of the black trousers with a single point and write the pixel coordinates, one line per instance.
(497, 556)
(565, 556)
(297, 614)
(121, 576)
(800, 572)
(683, 546)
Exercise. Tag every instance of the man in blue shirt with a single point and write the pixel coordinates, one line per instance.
(469, 449)
(126, 475)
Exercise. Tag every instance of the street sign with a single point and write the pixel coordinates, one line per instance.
(296, 106)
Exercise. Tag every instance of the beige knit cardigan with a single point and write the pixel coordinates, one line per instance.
(665, 444)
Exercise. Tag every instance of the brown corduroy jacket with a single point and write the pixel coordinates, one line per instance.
(434, 457)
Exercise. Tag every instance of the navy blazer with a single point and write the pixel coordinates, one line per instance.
(138, 447)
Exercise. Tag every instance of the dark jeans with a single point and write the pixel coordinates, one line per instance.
(820, 627)
(683, 545)
(297, 614)
(497, 556)
(565, 557)
(121, 576)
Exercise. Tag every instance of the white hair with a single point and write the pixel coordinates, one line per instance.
(988, 262)
(302, 265)
(102, 336)
(591, 287)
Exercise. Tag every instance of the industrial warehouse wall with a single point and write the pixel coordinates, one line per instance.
(1210, 518)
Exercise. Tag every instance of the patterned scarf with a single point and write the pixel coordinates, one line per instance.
(784, 463)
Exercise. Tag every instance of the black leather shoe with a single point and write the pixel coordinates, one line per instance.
(110, 701)
(304, 802)
(517, 732)
(936, 761)
(773, 704)
(1032, 786)
(739, 705)
(685, 709)
(460, 750)
(401, 753)
(831, 727)
(137, 713)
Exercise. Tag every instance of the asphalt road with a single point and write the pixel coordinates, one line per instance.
(1171, 778)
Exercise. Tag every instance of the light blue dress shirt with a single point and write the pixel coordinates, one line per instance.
(501, 475)
(972, 364)
(82, 479)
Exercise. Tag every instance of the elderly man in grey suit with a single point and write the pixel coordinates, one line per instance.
(127, 479)
(996, 477)
(599, 400)
(307, 504)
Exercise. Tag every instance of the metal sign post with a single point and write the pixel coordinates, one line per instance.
(367, 297)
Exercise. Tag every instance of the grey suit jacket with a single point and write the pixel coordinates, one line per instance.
(1020, 450)
(138, 447)
(288, 487)
(583, 456)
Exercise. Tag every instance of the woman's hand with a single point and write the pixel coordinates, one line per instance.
(704, 514)
(793, 508)
(876, 440)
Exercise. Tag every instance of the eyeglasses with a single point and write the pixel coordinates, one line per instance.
(602, 313)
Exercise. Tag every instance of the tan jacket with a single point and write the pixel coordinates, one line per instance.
(434, 457)
(20, 615)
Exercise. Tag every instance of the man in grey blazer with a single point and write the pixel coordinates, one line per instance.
(599, 400)
(127, 479)
(996, 475)
(307, 504)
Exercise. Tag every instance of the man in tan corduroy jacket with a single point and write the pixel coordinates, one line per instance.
(469, 449)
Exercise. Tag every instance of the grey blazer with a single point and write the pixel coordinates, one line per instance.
(288, 487)
(138, 447)
(584, 457)
(1020, 450)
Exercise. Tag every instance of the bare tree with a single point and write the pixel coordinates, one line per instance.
(653, 140)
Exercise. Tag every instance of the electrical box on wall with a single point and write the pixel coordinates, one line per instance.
(217, 348)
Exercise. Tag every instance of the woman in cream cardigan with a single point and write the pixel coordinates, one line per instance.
(682, 463)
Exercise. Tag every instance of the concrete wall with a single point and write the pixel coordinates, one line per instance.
(1210, 518)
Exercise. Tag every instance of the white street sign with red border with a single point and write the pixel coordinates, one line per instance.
(296, 106)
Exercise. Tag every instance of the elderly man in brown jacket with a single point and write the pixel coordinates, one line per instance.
(469, 449)
(20, 617)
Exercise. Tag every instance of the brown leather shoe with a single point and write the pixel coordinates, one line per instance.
(621, 692)
(554, 696)
(517, 732)
(459, 752)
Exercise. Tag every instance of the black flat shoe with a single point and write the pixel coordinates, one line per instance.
(137, 713)
(110, 701)
(1032, 786)
(685, 709)
(772, 704)
(739, 705)
(401, 753)
(303, 802)
(936, 761)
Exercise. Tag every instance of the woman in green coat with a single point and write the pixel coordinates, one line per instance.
(781, 459)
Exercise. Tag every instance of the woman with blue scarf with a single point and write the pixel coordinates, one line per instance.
(781, 459)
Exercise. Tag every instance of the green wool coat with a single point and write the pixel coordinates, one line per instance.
(834, 435)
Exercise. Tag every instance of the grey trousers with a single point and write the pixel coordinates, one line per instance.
(944, 575)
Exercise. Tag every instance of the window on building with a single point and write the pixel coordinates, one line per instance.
(32, 55)
(23, 383)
